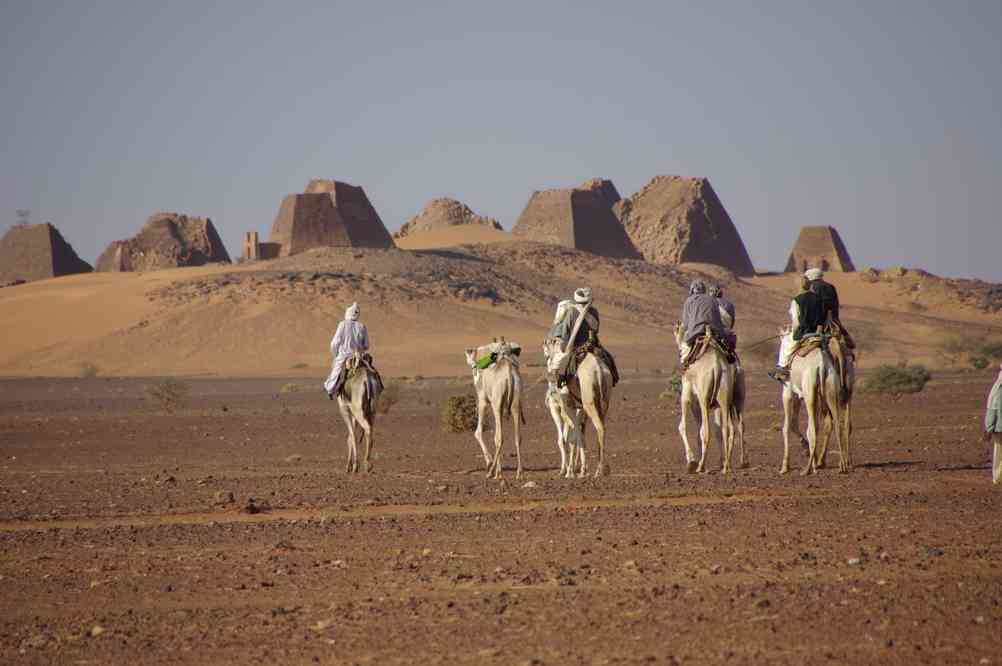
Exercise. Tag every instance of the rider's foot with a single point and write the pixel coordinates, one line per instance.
(780, 374)
(330, 396)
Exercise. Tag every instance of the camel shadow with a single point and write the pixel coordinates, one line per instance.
(889, 464)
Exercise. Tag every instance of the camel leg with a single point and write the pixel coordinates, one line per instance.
(704, 431)
(789, 413)
(847, 431)
(579, 429)
(739, 432)
(833, 398)
(683, 430)
(556, 413)
(516, 410)
(350, 427)
(811, 400)
(479, 432)
(826, 434)
(367, 432)
(498, 441)
(599, 423)
(727, 436)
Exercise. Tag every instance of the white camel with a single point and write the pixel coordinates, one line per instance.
(845, 364)
(570, 434)
(499, 386)
(590, 389)
(357, 403)
(814, 380)
(709, 383)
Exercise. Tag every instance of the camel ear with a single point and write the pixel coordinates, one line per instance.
(469, 351)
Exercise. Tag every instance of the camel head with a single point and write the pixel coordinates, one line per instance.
(471, 357)
(679, 333)
(552, 346)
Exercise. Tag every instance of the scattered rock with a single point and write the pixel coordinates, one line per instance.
(530, 484)
(223, 497)
(256, 506)
(96, 631)
(295, 457)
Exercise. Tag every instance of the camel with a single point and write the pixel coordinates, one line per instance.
(570, 435)
(357, 403)
(845, 363)
(590, 389)
(708, 382)
(499, 386)
(814, 380)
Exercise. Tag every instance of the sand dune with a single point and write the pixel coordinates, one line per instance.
(275, 318)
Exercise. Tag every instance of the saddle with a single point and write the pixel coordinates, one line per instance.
(706, 342)
(594, 347)
(355, 364)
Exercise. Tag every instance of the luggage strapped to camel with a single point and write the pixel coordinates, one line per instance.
(353, 365)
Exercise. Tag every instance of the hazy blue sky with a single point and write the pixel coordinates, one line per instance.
(879, 118)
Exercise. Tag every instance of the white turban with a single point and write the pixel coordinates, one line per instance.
(814, 274)
(351, 314)
(582, 295)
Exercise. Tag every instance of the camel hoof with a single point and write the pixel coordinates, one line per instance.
(807, 471)
(784, 470)
(745, 464)
(691, 467)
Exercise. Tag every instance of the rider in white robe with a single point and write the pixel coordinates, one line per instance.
(351, 336)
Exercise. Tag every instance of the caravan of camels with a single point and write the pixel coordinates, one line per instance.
(815, 368)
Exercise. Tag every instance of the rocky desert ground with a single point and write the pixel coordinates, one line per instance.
(227, 532)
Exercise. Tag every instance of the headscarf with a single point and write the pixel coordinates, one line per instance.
(351, 314)
(697, 287)
(582, 295)
(813, 274)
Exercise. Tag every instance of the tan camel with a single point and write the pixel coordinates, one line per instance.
(590, 389)
(815, 381)
(357, 402)
(499, 386)
(709, 383)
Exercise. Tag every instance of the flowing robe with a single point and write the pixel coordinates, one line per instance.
(350, 337)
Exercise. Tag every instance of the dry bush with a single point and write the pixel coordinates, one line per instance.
(389, 397)
(674, 388)
(897, 380)
(299, 366)
(979, 362)
(169, 394)
(990, 349)
(88, 369)
(459, 413)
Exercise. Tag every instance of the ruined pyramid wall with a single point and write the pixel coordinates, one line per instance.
(579, 217)
(37, 252)
(819, 247)
(443, 213)
(676, 219)
(329, 214)
(167, 240)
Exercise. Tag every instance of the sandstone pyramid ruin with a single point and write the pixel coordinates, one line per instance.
(819, 247)
(35, 252)
(580, 217)
(443, 213)
(328, 214)
(167, 240)
(675, 219)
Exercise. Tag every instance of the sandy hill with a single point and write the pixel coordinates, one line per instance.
(275, 318)
(36, 252)
(674, 219)
(167, 240)
(443, 213)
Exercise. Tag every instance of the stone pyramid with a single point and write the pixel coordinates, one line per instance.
(819, 247)
(329, 213)
(443, 213)
(579, 217)
(37, 251)
(167, 240)
(675, 219)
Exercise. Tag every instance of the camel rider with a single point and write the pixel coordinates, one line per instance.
(699, 311)
(351, 336)
(805, 317)
(828, 296)
(728, 315)
(564, 323)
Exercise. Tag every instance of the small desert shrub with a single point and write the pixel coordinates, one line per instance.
(897, 380)
(300, 366)
(674, 388)
(459, 413)
(990, 349)
(168, 394)
(389, 397)
(88, 369)
(979, 362)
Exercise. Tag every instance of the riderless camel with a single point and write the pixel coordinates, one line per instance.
(499, 386)
(357, 402)
(567, 417)
(708, 382)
